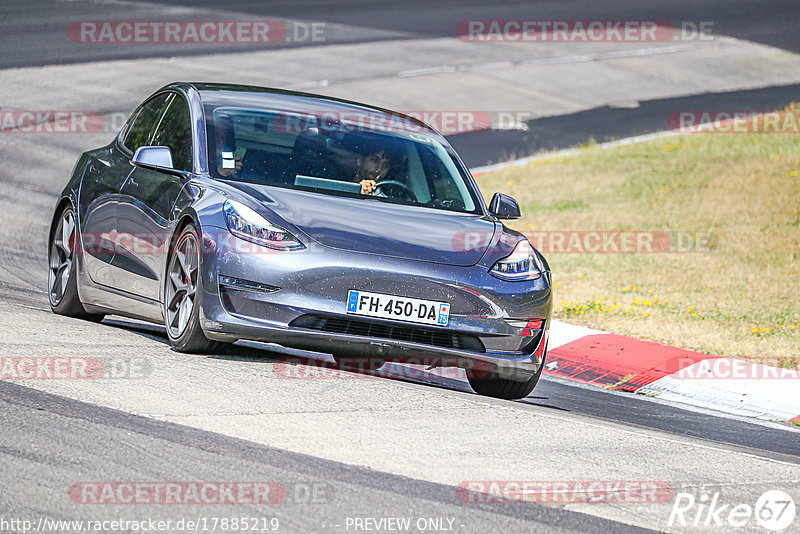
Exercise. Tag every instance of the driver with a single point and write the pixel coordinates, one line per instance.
(370, 169)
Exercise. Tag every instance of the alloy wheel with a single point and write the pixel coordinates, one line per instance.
(61, 256)
(182, 284)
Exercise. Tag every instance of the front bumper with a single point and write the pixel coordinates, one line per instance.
(287, 288)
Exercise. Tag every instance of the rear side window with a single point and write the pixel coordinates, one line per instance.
(142, 125)
(175, 131)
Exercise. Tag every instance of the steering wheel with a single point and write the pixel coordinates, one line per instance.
(394, 189)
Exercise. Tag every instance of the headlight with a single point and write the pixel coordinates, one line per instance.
(250, 226)
(522, 264)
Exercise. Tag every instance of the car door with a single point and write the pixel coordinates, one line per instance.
(106, 172)
(145, 215)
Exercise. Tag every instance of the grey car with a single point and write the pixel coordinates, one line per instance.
(230, 212)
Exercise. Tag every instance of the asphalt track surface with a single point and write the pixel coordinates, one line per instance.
(137, 448)
(377, 447)
(30, 31)
(33, 34)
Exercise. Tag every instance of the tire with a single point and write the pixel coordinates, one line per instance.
(502, 388)
(181, 287)
(62, 278)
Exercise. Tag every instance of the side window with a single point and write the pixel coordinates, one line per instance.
(175, 131)
(145, 121)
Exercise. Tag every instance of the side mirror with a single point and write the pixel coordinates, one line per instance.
(504, 207)
(155, 158)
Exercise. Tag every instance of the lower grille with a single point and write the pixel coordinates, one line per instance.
(423, 336)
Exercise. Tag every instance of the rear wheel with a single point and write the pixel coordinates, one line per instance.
(502, 388)
(62, 279)
(181, 312)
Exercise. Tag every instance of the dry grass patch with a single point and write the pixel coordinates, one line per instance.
(742, 299)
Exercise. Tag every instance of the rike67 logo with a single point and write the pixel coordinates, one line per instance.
(774, 510)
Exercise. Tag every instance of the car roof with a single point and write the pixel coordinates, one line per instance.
(224, 94)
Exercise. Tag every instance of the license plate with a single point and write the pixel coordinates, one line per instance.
(398, 308)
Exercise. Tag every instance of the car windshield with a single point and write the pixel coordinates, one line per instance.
(336, 156)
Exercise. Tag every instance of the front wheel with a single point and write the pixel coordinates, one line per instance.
(502, 388)
(181, 312)
(62, 278)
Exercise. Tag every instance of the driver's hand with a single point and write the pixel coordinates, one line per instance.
(237, 166)
(367, 186)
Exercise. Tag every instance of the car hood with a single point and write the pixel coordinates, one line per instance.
(375, 227)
